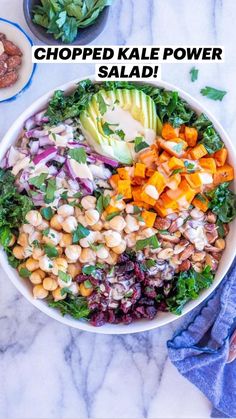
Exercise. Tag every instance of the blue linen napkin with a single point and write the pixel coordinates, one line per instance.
(200, 351)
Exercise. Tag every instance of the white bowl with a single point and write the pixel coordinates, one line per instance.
(16, 34)
(140, 325)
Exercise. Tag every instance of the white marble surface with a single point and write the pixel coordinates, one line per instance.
(48, 370)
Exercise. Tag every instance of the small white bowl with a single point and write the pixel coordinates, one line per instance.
(18, 36)
(137, 326)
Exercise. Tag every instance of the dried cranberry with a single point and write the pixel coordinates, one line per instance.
(146, 301)
(127, 319)
(150, 292)
(98, 319)
(151, 312)
(138, 272)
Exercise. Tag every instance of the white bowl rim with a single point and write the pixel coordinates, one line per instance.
(137, 326)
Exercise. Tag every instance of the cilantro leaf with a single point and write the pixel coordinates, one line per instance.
(50, 251)
(64, 276)
(24, 273)
(80, 233)
(78, 154)
(150, 241)
(139, 144)
(194, 74)
(38, 181)
(213, 93)
(110, 216)
(102, 104)
(73, 306)
(47, 213)
(50, 190)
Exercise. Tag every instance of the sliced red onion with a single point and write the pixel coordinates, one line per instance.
(73, 184)
(75, 144)
(45, 156)
(70, 170)
(106, 160)
(3, 164)
(87, 185)
(91, 159)
(30, 123)
(34, 147)
(52, 170)
(38, 200)
(61, 174)
(40, 117)
(68, 121)
(59, 159)
(44, 141)
(36, 133)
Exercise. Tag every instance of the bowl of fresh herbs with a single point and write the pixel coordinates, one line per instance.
(66, 21)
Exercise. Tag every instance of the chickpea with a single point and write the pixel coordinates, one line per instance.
(69, 224)
(165, 254)
(59, 250)
(57, 294)
(65, 210)
(112, 238)
(59, 264)
(45, 263)
(39, 292)
(18, 252)
(36, 235)
(117, 223)
(49, 284)
(43, 226)
(112, 258)
(74, 269)
(98, 226)
(34, 218)
(88, 202)
(72, 252)
(86, 241)
(91, 217)
(220, 244)
(102, 253)
(148, 232)
(37, 276)
(23, 239)
(85, 292)
(130, 240)
(131, 224)
(53, 237)
(81, 220)
(27, 228)
(78, 212)
(32, 264)
(129, 209)
(120, 204)
(87, 255)
(56, 222)
(66, 240)
(37, 253)
(74, 288)
(121, 248)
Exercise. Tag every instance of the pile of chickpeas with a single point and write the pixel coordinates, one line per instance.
(105, 242)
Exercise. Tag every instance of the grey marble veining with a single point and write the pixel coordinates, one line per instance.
(48, 370)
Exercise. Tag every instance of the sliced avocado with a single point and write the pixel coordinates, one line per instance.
(118, 150)
(141, 107)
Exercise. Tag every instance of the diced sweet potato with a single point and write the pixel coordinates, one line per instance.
(174, 181)
(169, 132)
(191, 136)
(198, 152)
(224, 174)
(175, 163)
(201, 202)
(194, 180)
(157, 180)
(149, 218)
(221, 157)
(175, 146)
(139, 170)
(123, 172)
(114, 179)
(124, 188)
(208, 163)
(163, 157)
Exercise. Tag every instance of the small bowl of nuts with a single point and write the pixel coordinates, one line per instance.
(16, 67)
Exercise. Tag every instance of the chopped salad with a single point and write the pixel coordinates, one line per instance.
(115, 202)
